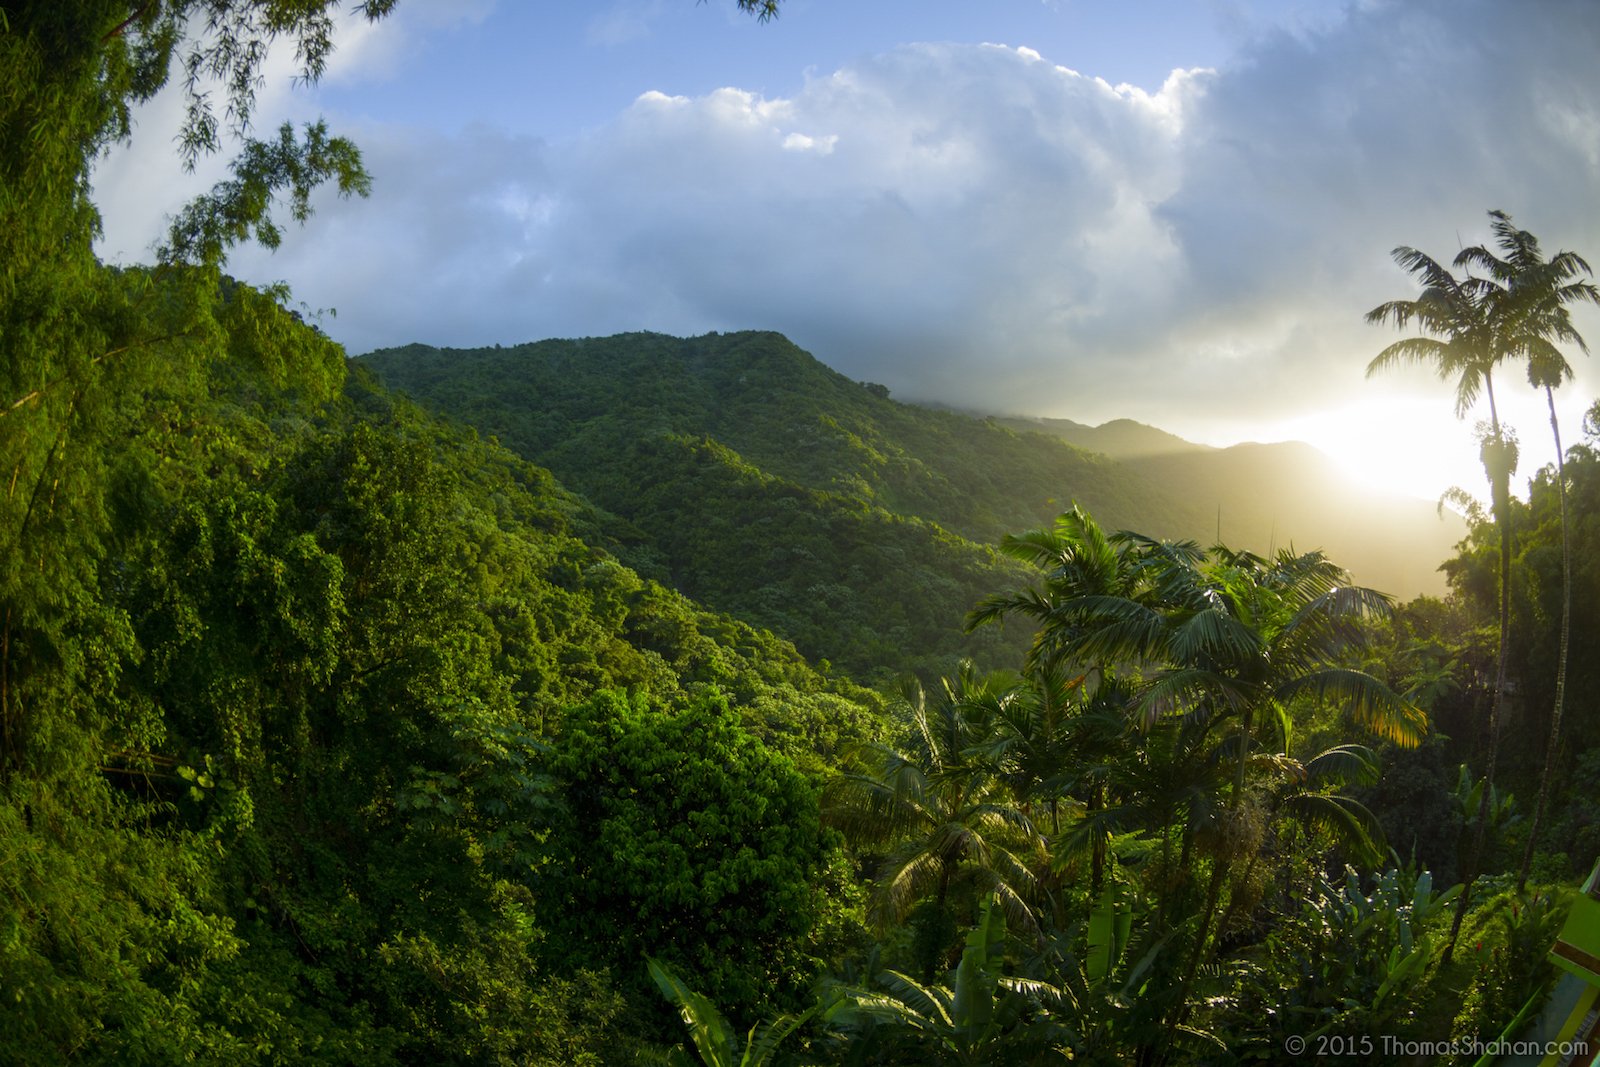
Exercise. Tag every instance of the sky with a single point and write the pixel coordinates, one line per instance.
(1175, 212)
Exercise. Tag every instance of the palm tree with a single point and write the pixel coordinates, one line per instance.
(1226, 646)
(1070, 733)
(1204, 656)
(1078, 559)
(944, 813)
(1528, 297)
(1458, 340)
(1221, 646)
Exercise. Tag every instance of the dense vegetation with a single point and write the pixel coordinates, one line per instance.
(331, 731)
(1261, 496)
(877, 518)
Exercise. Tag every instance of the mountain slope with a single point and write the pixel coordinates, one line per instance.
(778, 408)
(755, 479)
(767, 485)
(1119, 438)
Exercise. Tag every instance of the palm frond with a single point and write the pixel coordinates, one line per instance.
(903, 879)
(1213, 635)
(1373, 705)
(1348, 821)
(1053, 999)
(1186, 690)
(930, 1003)
(996, 607)
(1344, 765)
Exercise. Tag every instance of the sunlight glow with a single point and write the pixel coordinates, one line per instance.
(1402, 446)
(1413, 446)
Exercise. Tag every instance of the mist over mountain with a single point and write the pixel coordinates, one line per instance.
(1119, 438)
(1281, 494)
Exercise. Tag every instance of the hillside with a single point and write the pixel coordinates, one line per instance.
(863, 525)
(1120, 438)
(764, 484)
(312, 689)
(776, 406)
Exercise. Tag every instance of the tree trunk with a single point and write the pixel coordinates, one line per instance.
(1180, 1007)
(1553, 744)
(1499, 463)
(1097, 853)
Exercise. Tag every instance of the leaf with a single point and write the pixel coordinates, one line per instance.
(708, 1030)
(977, 974)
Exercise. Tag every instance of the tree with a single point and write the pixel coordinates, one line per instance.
(684, 837)
(1220, 648)
(1244, 639)
(1459, 341)
(1528, 298)
(81, 338)
(1077, 559)
(941, 813)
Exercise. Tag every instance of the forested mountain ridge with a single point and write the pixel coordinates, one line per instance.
(766, 485)
(1119, 438)
(729, 450)
(779, 408)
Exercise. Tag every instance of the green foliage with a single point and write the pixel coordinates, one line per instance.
(939, 823)
(1500, 807)
(294, 754)
(1353, 961)
(713, 1040)
(683, 837)
(1536, 611)
(868, 514)
(332, 733)
(1507, 947)
(979, 1016)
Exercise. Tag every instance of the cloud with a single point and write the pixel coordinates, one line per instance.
(977, 225)
(369, 51)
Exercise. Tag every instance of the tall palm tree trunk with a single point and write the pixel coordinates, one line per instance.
(1180, 1006)
(1553, 743)
(1498, 460)
(1180, 1009)
(1097, 853)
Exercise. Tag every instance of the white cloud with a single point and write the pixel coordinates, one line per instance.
(383, 50)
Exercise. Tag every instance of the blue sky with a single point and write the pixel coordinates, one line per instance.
(556, 69)
(1173, 212)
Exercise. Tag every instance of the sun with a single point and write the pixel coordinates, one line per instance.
(1397, 446)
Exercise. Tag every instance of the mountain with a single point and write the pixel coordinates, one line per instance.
(1283, 494)
(758, 481)
(748, 475)
(1119, 438)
